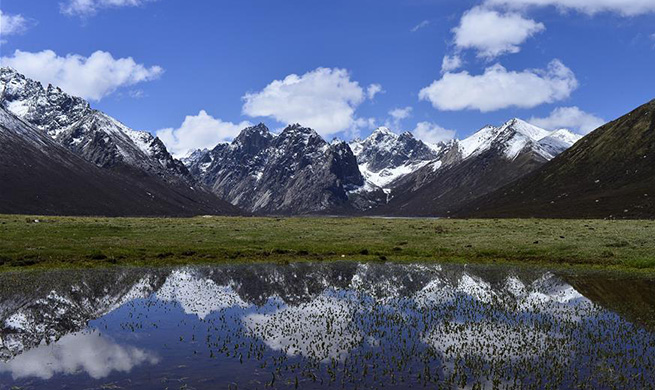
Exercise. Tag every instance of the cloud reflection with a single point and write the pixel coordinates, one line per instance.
(76, 353)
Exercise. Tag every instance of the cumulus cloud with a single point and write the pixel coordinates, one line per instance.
(12, 24)
(92, 77)
(432, 133)
(91, 7)
(401, 113)
(492, 33)
(451, 63)
(199, 132)
(571, 118)
(373, 90)
(324, 99)
(396, 116)
(421, 25)
(590, 7)
(498, 88)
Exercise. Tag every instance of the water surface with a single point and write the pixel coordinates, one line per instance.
(326, 325)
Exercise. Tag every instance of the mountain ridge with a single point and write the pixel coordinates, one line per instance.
(610, 173)
(117, 171)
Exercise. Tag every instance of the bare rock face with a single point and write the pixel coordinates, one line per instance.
(296, 172)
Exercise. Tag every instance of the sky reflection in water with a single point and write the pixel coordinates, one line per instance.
(318, 325)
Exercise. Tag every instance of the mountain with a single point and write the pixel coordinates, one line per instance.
(40, 176)
(610, 173)
(89, 133)
(62, 157)
(384, 156)
(295, 172)
(477, 165)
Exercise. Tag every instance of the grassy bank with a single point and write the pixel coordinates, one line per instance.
(66, 241)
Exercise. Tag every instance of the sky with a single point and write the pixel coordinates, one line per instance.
(197, 72)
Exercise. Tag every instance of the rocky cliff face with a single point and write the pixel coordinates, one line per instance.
(296, 172)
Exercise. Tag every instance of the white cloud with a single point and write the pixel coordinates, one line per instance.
(92, 77)
(498, 88)
(396, 116)
(401, 113)
(91, 7)
(421, 25)
(199, 132)
(622, 7)
(74, 353)
(323, 99)
(12, 24)
(571, 118)
(373, 90)
(432, 133)
(492, 33)
(451, 63)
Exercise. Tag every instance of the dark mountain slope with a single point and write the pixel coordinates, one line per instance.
(39, 176)
(484, 162)
(610, 173)
(440, 193)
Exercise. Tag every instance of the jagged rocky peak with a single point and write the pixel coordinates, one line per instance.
(91, 134)
(385, 156)
(386, 149)
(49, 109)
(296, 171)
(253, 139)
(297, 134)
(345, 166)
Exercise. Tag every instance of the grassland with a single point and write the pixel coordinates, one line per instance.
(88, 242)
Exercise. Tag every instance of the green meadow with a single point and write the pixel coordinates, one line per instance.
(33, 241)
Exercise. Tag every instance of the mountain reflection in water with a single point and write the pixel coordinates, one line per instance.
(310, 325)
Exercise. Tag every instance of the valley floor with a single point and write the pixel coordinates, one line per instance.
(34, 242)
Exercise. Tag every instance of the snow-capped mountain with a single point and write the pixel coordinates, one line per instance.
(479, 164)
(610, 173)
(128, 173)
(89, 133)
(295, 172)
(515, 137)
(385, 156)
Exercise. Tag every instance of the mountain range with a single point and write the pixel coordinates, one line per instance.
(64, 157)
(60, 156)
(610, 173)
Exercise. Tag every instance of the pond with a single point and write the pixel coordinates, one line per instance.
(326, 325)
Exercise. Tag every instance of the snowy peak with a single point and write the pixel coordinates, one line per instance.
(49, 109)
(297, 133)
(91, 134)
(384, 157)
(515, 137)
(524, 128)
(557, 142)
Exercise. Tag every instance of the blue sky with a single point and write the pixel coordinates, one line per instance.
(201, 69)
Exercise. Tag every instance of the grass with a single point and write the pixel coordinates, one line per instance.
(88, 242)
